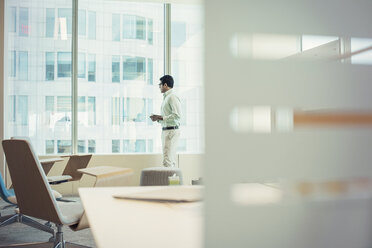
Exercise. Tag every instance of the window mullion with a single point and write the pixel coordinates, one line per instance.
(74, 77)
(167, 38)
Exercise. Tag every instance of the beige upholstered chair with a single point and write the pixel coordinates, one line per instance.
(34, 194)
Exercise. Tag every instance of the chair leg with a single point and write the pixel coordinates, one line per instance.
(33, 223)
(8, 219)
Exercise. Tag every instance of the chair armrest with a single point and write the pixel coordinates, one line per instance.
(105, 171)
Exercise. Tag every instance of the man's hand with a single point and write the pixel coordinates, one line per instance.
(156, 117)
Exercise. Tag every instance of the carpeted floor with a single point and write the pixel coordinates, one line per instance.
(18, 233)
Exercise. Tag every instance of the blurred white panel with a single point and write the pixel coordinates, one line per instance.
(236, 77)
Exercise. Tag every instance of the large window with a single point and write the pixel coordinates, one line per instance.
(119, 61)
(187, 68)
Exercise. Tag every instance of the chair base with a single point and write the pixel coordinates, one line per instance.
(46, 245)
(9, 219)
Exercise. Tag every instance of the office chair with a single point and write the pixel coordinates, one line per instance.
(34, 194)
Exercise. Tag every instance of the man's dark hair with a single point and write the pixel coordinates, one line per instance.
(167, 79)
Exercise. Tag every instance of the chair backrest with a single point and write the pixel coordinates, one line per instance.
(74, 163)
(4, 192)
(33, 192)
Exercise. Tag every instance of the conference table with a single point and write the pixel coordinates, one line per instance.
(141, 224)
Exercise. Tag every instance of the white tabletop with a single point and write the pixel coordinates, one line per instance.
(131, 223)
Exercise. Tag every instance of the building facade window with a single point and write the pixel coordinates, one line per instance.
(64, 146)
(82, 22)
(18, 112)
(49, 147)
(134, 68)
(23, 65)
(49, 103)
(150, 36)
(115, 146)
(65, 19)
(49, 66)
(23, 22)
(12, 21)
(115, 68)
(81, 65)
(115, 111)
(91, 146)
(115, 27)
(13, 63)
(50, 22)
(92, 25)
(91, 67)
(81, 146)
(64, 64)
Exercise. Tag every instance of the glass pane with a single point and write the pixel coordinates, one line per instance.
(91, 146)
(12, 21)
(129, 27)
(65, 20)
(64, 146)
(91, 67)
(149, 31)
(23, 22)
(82, 22)
(134, 68)
(122, 61)
(115, 27)
(187, 69)
(140, 28)
(92, 25)
(81, 146)
(49, 66)
(81, 65)
(38, 89)
(23, 65)
(49, 147)
(115, 146)
(141, 146)
(13, 63)
(92, 110)
(49, 103)
(49, 27)
(64, 64)
(115, 69)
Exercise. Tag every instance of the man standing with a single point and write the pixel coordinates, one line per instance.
(170, 120)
